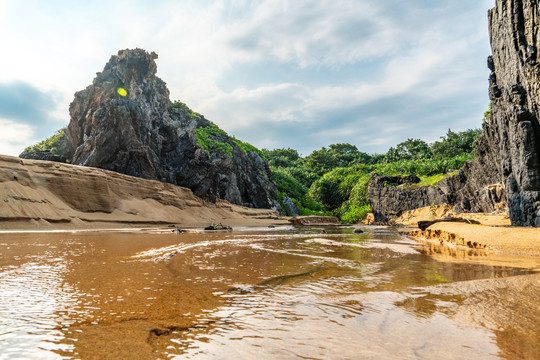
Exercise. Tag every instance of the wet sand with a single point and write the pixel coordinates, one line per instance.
(276, 294)
(494, 233)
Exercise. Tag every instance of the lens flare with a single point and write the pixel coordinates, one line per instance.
(122, 91)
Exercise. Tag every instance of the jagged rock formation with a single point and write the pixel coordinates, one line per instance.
(125, 122)
(507, 153)
(390, 196)
(511, 137)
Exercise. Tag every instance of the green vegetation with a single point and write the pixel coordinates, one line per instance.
(209, 138)
(335, 179)
(246, 148)
(455, 144)
(56, 144)
(212, 138)
(178, 104)
(429, 180)
(488, 111)
(422, 167)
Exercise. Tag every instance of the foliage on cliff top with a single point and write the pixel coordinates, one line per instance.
(208, 138)
(212, 139)
(247, 148)
(55, 144)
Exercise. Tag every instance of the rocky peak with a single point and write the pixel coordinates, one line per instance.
(124, 121)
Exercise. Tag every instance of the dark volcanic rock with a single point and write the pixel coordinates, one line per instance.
(139, 132)
(511, 135)
(44, 155)
(290, 207)
(390, 196)
(506, 168)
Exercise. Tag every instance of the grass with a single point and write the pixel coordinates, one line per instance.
(428, 180)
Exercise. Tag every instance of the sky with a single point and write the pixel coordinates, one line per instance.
(275, 73)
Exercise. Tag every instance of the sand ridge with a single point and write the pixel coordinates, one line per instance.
(47, 195)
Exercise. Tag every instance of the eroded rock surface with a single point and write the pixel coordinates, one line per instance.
(506, 168)
(390, 196)
(512, 131)
(125, 122)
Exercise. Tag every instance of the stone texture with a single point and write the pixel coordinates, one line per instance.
(390, 196)
(314, 220)
(143, 134)
(512, 130)
(290, 207)
(506, 168)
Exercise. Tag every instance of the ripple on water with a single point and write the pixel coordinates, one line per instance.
(31, 298)
(320, 326)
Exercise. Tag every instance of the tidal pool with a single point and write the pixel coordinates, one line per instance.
(258, 293)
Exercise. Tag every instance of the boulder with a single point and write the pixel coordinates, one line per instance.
(290, 207)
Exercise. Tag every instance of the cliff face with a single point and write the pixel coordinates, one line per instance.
(125, 122)
(390, 196)
(506, 168)
(511, 138)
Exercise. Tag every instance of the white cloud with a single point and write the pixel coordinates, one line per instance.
(428, 51)
(14, 138)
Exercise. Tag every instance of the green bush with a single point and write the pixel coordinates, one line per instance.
(355, 214)
(56, 144)
(180, 105)
(422, 167)
(287, 184)
(207, 139)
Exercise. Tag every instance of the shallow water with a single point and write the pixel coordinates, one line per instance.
(269, 294)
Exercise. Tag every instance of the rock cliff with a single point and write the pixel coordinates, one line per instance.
(125, 122)
(511, 137)
(390, 196)
(507, 153)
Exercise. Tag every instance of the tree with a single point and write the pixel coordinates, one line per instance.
(454, 144)
(282, 157)
(344, 154)
(412, 149)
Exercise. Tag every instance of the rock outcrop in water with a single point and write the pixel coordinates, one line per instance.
(125, 122)
(507, 154)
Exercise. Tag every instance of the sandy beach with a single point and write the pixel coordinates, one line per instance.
(43, 195)
(494, 232)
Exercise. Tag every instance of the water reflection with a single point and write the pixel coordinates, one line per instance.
(35, 302)
(274, 294)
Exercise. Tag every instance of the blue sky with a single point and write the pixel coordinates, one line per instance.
(275, 73)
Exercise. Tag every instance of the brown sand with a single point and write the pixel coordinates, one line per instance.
(47, 195)
(494, 232)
